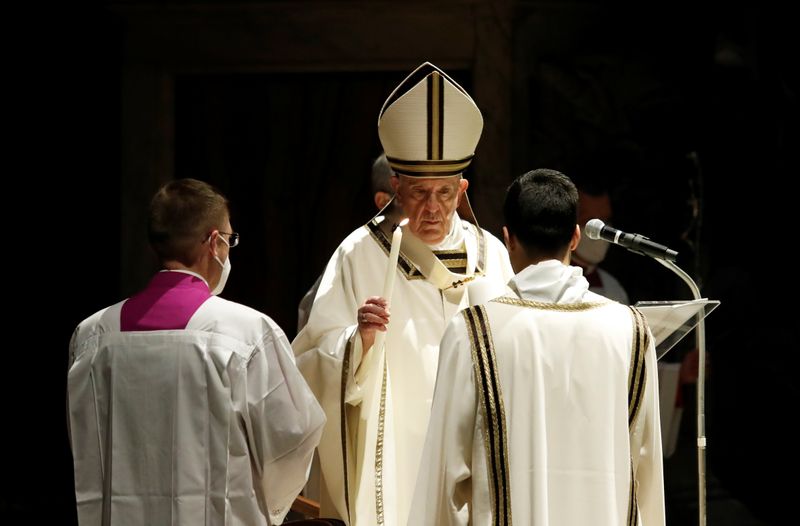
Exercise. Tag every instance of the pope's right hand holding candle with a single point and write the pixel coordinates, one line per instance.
(373, 315)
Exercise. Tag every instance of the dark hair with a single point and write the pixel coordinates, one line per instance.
(182, 214)
(540, 209)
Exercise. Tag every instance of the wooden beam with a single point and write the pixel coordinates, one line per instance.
(300, 36)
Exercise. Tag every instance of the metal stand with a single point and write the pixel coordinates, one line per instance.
(701, 388)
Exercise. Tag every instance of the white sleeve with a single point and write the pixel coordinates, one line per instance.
(73, 347)
(332, 327)
(284, 423)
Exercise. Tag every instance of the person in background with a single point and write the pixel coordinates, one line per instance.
(594, 202)
(382, 194)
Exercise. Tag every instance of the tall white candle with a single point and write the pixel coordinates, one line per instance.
(394, 254)
(391, 270)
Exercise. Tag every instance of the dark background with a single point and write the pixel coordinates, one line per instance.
(687, 111)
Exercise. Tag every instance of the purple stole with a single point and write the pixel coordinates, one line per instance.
(168, 302)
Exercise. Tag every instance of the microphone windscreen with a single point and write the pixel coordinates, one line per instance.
(593, 228)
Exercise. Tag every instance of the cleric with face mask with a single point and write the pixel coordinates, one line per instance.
(175, 293)
(226, 267)
(185, 366)
(590, 253)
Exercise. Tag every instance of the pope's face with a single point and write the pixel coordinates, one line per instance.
(429, 204)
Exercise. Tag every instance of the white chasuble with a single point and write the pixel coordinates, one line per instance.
(378, 403)
(545, 412)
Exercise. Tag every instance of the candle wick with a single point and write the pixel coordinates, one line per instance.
(403, 222)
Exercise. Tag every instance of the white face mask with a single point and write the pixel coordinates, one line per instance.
(592, 251)
(226, 270)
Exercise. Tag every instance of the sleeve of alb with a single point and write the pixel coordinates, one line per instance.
(285, 423)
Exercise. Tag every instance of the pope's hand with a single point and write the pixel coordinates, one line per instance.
(372, 315)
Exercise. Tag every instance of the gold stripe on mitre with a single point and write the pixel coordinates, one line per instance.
(435, 117)
(432, 168)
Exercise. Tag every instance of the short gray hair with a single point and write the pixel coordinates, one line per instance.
(381, 175)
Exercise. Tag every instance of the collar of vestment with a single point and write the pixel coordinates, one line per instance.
(448, 267)
(550, 281)
(167, 303)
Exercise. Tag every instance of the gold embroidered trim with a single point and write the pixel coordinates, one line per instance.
(491, 397)
(407, 268)
(435, 116)
(429, 167)
(447, 252)
(455, 260)
(460, 282)
(343, 421)
(633, 506)
(565, 307)
(379, 452)
(427, 162)
(452, 260)
(637, 378)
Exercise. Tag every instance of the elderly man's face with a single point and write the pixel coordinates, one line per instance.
(429, 204)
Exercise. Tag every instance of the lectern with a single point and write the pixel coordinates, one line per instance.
(669, 322)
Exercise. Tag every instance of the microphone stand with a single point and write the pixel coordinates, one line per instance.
(700, 338)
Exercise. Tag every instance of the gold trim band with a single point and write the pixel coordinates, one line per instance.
(564, 307)
(491, 397)
(430, 167)
(636, 378)
(636, 383)
(343, 422)
(379, 452)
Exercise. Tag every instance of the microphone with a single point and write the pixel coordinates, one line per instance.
(596, 229)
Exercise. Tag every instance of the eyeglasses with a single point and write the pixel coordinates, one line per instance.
(232, 241)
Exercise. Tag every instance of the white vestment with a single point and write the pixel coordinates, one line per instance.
(668, 372)
(371, 446)
(210, 425)
(539, 434)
